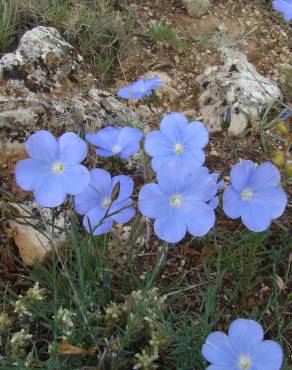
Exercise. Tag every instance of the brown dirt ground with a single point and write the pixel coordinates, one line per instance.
(249, 27)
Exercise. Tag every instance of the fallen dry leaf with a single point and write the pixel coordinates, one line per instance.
(66, 348)
(31, 240)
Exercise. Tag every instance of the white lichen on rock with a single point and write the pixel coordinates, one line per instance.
(42, 59)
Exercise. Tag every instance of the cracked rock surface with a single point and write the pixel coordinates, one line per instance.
(44, 85)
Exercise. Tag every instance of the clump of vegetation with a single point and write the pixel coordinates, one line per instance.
(98, 310)
(96, 27)
(79, 313)
(9, 24)
(285, 71)
(167, 34)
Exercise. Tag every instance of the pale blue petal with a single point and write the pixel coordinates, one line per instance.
(129, 141)
(256, 216)
(128, 135)
(172, 127)
(240, 174)
(135, 90)
(273, 199)
(139, 88)
(195, 135)
(101, 181)
(43, 145)
(215, 176)
(92, 220)
(124, 214)
(152, 83)
(214, 202)
(267, 355)
(233, 206)
(105, 138)
(200, 218)
(129, 149)
(159, 162)
(49, 191)
(152, 202)
(175, 178)
(29, 171)
(198, 171)
(75, 179)
(157, 145)
(220, 185)
(127, 138)
(203, 187)
(193, 157)
(244, 334)
(126, 186)
(87, 200)
(105, 153)
(172, 227)
(265, 175)
(72, 148)
(284, 7)
(218, 350)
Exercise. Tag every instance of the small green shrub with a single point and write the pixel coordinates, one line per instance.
(164, 33)
(9, 24)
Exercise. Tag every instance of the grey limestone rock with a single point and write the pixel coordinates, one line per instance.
(236, 86)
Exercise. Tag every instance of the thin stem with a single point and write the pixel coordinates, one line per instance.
(161, 257)
(107, 214)
(249, 272)
(145, 169)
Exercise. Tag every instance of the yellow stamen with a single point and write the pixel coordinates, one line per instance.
(58, 168)
(176, 201)
(178, 148)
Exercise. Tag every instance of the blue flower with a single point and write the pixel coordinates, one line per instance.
(112, 141)
(53, 171)
(100, 206)
(254, 195)
(242, 349)
(178, 203)
(177, 141)
(139, 88)
(284, 7)
(286, 114)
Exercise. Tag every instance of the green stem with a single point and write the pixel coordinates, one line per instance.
(161, 257)
(249, 271)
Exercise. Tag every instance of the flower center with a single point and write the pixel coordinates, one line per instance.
(246, 194)
(176, 201)
(116, 149)
(244, 363)
(178, 148)
(106, 202)
(58, 168)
